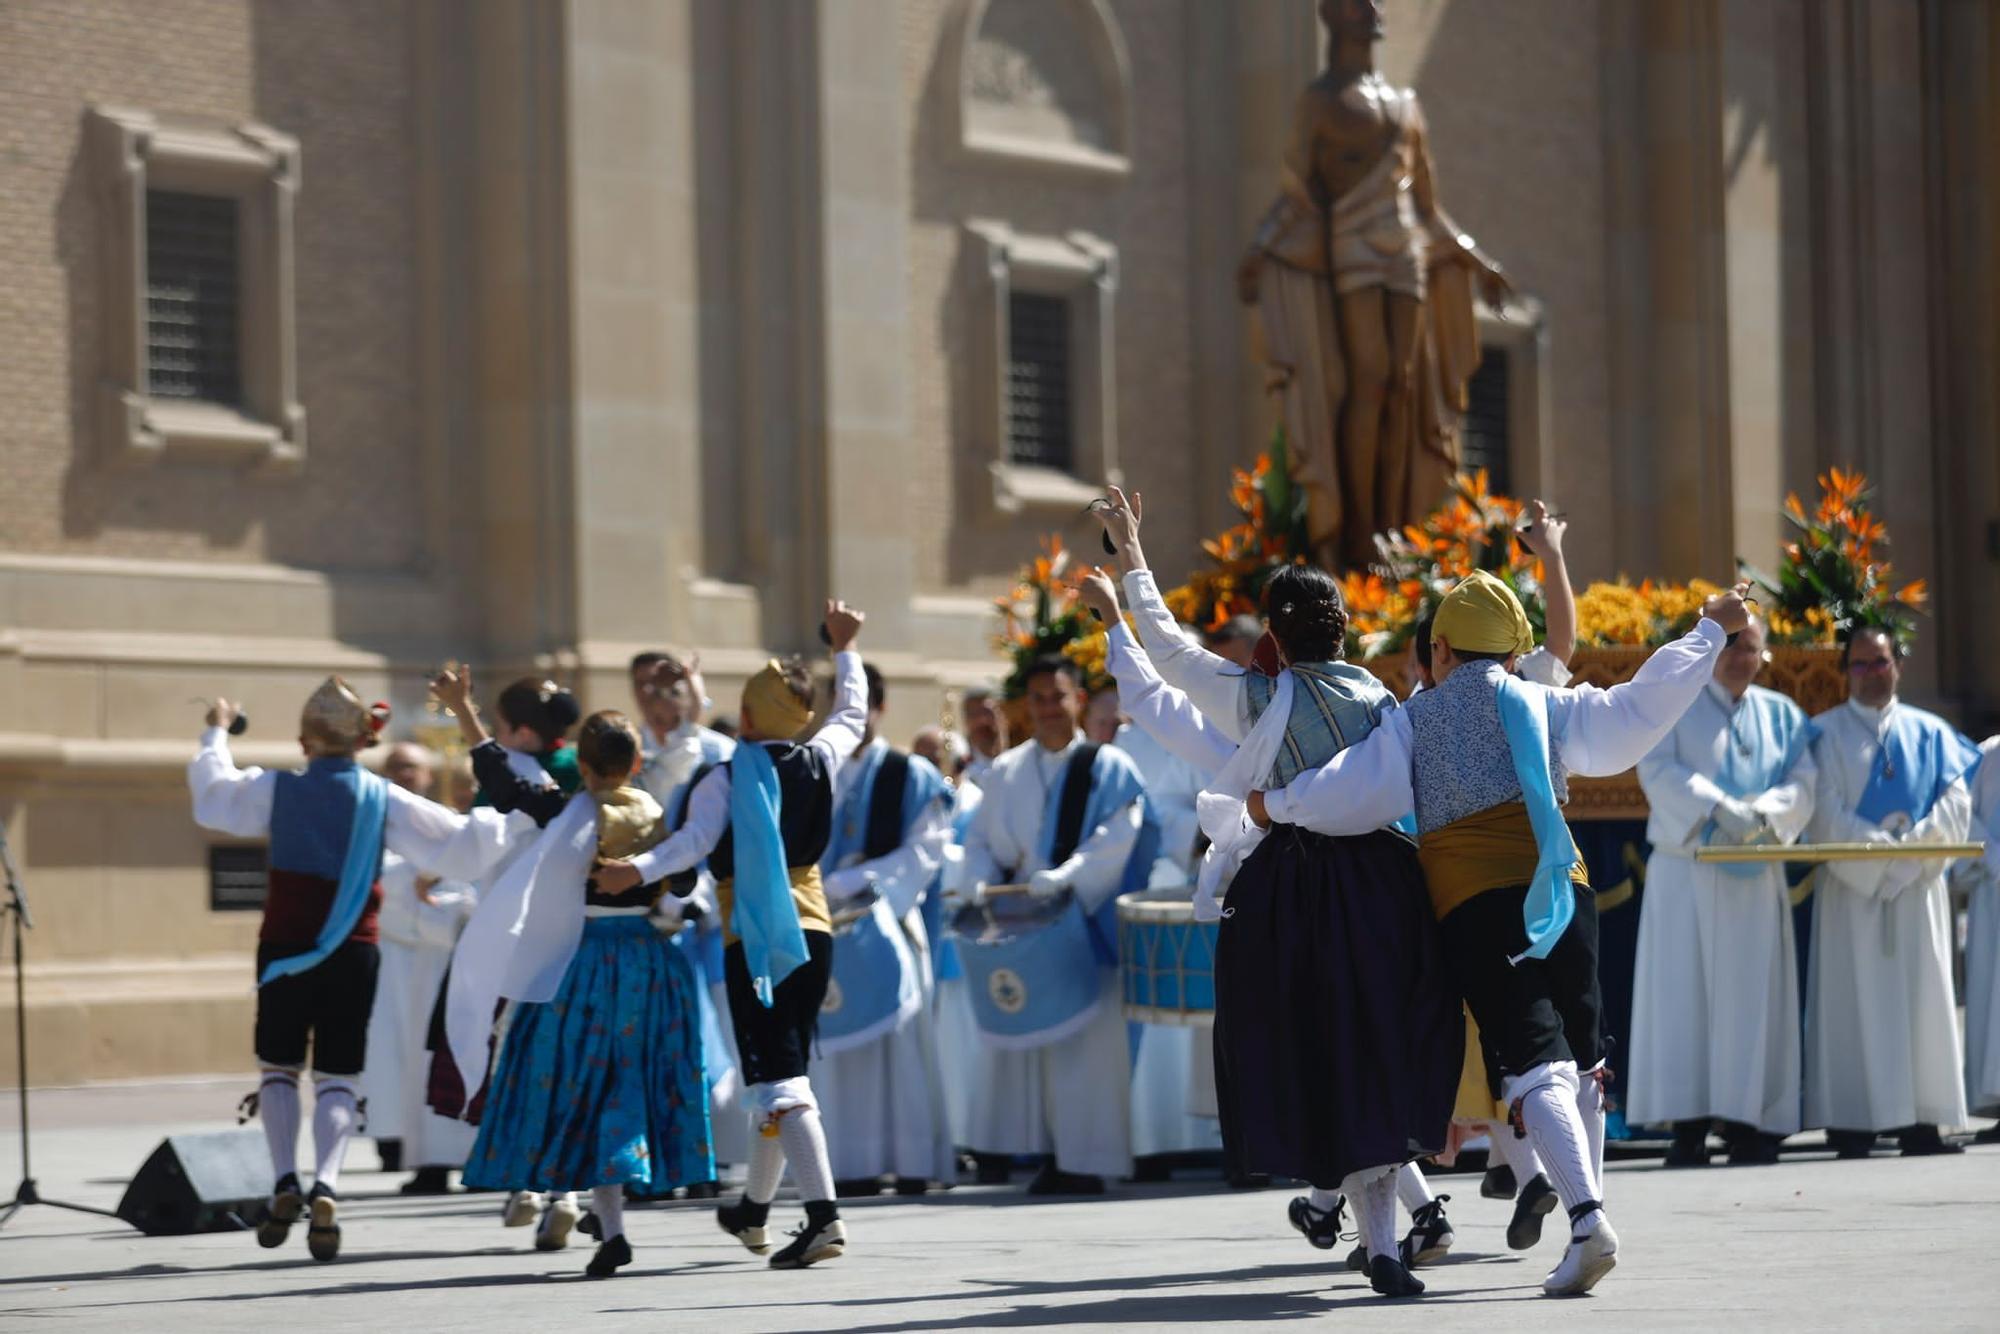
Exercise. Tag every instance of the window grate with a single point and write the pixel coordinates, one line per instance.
(238, 877)
(192, 298)
(1038, 381)
(1486, 440)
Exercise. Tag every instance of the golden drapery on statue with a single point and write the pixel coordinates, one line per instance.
(1365, 313)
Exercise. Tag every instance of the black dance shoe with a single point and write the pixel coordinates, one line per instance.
(822, 1237)
(745, 1221)
(1498, 1183)
(323, 1233)
(1536, 1201)
(1387, 1276)
(1321, 1228)
(429, 1181)
(1430, 1234)
(611, 1257)
(287, 1202)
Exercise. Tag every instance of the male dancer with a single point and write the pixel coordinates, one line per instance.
(882, 1094)
(1483, 759)
(763, 822)
(316, 954)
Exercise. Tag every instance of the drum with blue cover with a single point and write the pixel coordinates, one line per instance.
(874, 988)
(1031, 972)
(1166, 958)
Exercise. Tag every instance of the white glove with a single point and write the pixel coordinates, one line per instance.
(1897, 824)
(1047, 884)
(963, 896)
(1734, 819)
(845, 884)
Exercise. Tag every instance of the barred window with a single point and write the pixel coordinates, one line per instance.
(192, 298)
(1038, 381)
(1485, 443)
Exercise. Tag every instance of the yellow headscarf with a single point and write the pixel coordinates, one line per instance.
(775, 712)
(1482, 615)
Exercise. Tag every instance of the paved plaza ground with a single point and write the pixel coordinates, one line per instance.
(1811, 1244)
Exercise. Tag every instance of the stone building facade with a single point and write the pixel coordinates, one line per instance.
(537, 332)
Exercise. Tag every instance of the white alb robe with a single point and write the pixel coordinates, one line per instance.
(1715, 1005)
(883, 1102)
(1073, 1097)
(1882, 1048)
(416, 942)
(1980, 881)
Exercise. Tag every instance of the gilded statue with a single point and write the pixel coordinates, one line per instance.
(1363, 287)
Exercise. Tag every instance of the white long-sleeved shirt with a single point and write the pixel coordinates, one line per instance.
(1006, 836)
(708, 804)
(900, 876)
(437, 840)
(1597, 732)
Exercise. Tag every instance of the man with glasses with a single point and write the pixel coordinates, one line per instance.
(1715, 1003)
(1882, 1049)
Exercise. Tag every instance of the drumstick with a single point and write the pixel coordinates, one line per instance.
(1005, 891)
(1843, 852)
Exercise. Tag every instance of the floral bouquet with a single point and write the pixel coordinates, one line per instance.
(1043, 616)
(1830, 579)
(1649, 615)
(1475, 529)
(1270, 535)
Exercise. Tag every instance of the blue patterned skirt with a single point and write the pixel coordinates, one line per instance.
(602, 1085)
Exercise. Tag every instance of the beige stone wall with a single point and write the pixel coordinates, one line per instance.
(335, 74)
(960, 548)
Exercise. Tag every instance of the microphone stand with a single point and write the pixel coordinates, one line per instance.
(16, 907)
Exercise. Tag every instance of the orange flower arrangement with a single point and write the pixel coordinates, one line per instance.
(1270, 535)
(1830, 579)
(1043, 616)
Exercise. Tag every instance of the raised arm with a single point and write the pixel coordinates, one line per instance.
(508, 790)
(227, 799)
(1360, 789)
(1603, 732)
(840, 736)
(1542, 534)
(1213, 685)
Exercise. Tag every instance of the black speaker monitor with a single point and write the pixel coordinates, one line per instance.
(215, 1182)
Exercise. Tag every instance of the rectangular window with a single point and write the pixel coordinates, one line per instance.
(1485, 443)
(192, 298)
(1038, 381)
(237, 877)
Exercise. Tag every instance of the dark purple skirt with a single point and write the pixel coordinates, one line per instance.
(1338, 1037)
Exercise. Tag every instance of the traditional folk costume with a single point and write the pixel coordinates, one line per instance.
(419, 925)
(1483, 759)
(876, 1074)
(1715, 1004)
(762, 822)
(1173, 1074)
(1338, 1040)
(599, 1084)
(1882, 1049)
(672, 764)
(1069, 820)
(317, 956)
(1980, 880)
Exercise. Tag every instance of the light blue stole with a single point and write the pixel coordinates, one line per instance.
(1774, 732)
(1551, 901)
(765, 919)
(1921, 755)
(1114, 784)
(358, 870)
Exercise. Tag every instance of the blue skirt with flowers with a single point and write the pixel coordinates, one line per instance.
(602, 1085)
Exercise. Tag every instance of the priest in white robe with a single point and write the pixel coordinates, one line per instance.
(1715, 1004)
(1882, 1049)
(880, 1089)
(1069, 1098)
(1979, 879)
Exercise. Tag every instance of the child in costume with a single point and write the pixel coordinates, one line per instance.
(317, 955)
(763, 823)
(599, 1083)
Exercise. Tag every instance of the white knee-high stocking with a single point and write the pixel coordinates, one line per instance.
(278, 1112)
(336, 1115)
(1548, 1098)
(767, 1163)
(804, 1140)
(1590, 1110)
(1412, 1188)
(1372, 1192)
(608, 1203)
